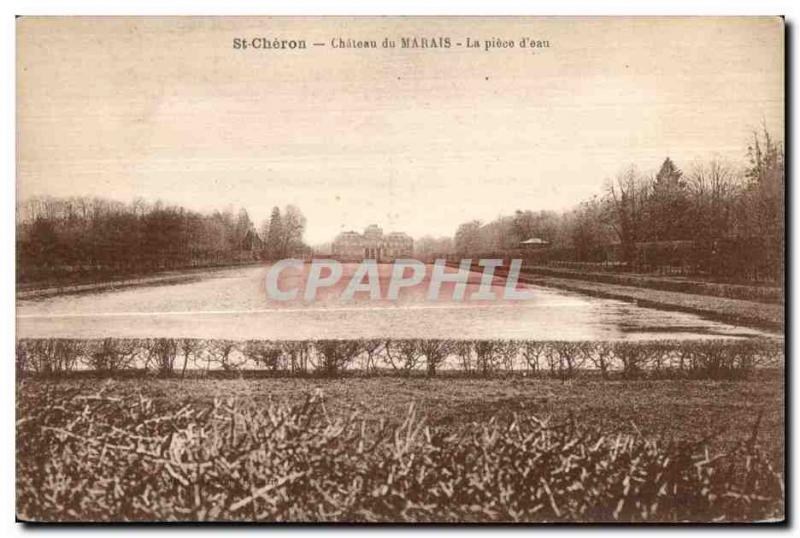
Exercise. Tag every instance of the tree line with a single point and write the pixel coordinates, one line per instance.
(717, 217)
(92, 236)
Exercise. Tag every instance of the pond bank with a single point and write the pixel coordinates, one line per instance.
(758, 293)
(734, 311)
(166, 277)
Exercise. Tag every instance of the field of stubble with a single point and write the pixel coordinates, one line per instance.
(394, 449)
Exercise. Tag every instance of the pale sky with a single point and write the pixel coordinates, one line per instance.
(413, 140)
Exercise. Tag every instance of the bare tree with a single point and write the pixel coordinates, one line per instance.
(223, 353)
(626, 196)
(492, 354)
(190, 349)
(714, 187)
(335, 355)
(111, 355)
(403, 355)
(632, 358)
(371, 349)
(465, 351)
(468, 238)
(161, 354)
(435, 353)
(601, 355)
(294, 225)
(565, 358)
(532, 353)
(51, 356)
(299, 356)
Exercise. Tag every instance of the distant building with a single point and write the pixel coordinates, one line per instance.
(372, 245)
(534, 242)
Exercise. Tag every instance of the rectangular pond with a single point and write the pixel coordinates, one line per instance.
(233, 304)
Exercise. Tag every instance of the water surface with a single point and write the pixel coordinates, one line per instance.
(233, 304)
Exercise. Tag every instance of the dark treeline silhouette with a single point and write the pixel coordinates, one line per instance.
(717, 219)
(84, 238)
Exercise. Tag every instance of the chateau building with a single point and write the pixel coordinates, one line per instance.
(372, 245)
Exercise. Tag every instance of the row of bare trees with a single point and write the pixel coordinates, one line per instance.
(719, 217)
(330, 358)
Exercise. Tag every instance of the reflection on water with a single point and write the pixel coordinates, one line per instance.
(233, 304)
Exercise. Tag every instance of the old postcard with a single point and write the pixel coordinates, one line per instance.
(400, 269)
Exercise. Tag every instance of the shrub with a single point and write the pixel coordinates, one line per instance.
(435, 353)
(111, 355)
(372, 350)
(533, 353)
(298, 354)
(700, 359)
(491, 355)
(335, 355)
(223, 353)
(403, 356)
(51, 356)
(97, 457)
(265, 353)
(465, 352)
(21, 363)
(161, 355)
(632, 357)
(566, 358)
(190, 349)
(601, 355)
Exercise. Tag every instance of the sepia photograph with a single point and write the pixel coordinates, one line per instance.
(400, 269)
